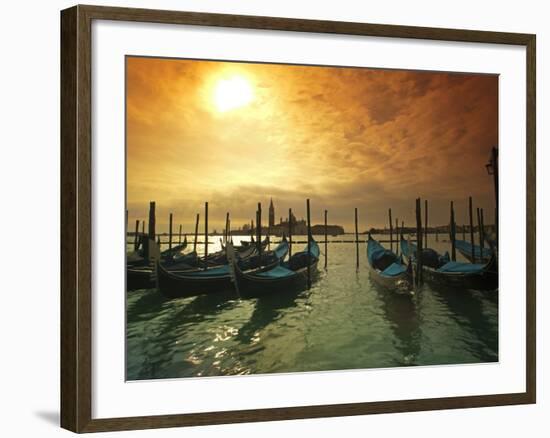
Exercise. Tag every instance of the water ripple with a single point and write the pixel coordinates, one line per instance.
(343, 322)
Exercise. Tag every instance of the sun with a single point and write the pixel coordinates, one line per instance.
(231, 93)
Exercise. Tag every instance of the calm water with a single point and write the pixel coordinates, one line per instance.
(344, 322)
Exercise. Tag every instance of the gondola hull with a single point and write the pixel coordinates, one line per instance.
(253, 286)
(142, 276)
(401, 284)
(468, 256)
(486, 280)
(386, 269)
(181, 285)
(480, 255)
(139, 278)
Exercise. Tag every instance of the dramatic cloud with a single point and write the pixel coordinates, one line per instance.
(344, 137)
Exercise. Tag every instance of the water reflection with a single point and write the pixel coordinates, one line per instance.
(401, 314)
(344, 322)
(475, 312)
(267, 309)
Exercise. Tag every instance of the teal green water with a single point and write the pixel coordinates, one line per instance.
(343, 322)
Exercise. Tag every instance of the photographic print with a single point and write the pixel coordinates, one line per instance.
(297, 218)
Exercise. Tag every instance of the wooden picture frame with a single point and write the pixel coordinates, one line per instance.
(76, 217)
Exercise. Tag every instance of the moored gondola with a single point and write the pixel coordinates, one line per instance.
(439, 270)
(140, 275)
(387, 269)
(220, 257)
(291, 275)
(179, 284)
(175, 250)
(482, 255)
(139, 259)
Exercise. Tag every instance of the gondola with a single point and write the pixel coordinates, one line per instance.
(285, 276)
(180, 284)
(481, 255)
(175, 250)
(220, 257)
(140, 275)
(439, 270)
(138, 258)
(387, 269)
(245, 243)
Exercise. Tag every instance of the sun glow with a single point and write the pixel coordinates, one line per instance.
(232, 93)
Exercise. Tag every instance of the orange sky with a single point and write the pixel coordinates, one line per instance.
(344, 137)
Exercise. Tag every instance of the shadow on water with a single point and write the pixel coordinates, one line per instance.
(344, 322)
(400, 312)
(152, 302)
(143, 302)
(478, 311)
(155, 336)
(204, 306)
(268, 309)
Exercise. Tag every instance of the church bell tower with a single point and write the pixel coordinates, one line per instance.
(271, 214)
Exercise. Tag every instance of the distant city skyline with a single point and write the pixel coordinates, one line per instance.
(235, 134)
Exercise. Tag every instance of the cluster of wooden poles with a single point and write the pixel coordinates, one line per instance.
(256, 232)
(452, 228)
(422, 233)
(227, 236)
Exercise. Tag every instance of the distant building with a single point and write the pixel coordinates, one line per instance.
(299, 227)
(332, 230)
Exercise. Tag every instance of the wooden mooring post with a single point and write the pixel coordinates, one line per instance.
(453, 233)
(152, 220)
(151, 229)
(290, 232)
(470, 208)
(229, 238)
(259, 226)
(308, 245)
(494, 170)
(397, 236)
(179, 238)
(425, 223)
(205, 233)
(196, 233)
(356, 241)
(482, 231)
(326, 240)
(170, 233)
(136, 237)
(391, 229)
(419, 242)
(226, 232)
